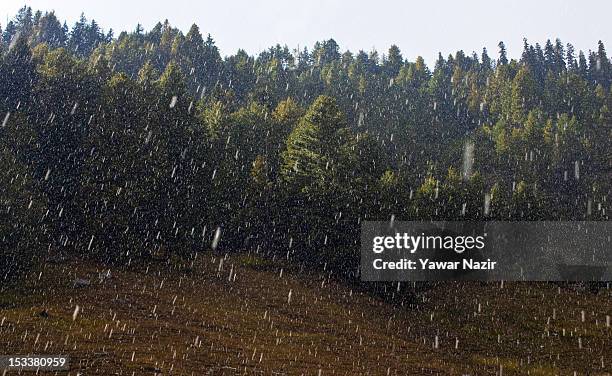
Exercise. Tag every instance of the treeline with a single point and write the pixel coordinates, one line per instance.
(151, 143)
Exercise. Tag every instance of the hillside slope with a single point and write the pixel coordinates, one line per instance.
(243, 315)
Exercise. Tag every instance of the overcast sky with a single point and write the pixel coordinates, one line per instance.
(417, 27)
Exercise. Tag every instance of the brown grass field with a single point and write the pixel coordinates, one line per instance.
(248, 318)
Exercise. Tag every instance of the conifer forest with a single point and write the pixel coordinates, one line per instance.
(145, 176)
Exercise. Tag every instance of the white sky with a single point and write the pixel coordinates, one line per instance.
(417, 27)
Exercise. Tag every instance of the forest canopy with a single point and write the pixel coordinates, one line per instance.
(150, 142)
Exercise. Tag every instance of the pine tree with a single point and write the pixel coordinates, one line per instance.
(503, 58)
(583, 66)
(523, 94)
(602, 70)
(50, 31)
(24, 21)
(311, 155)
(18, 73)
(485, 59)
(78, 37)
(572, 64)
(9, 33)
(394, 61)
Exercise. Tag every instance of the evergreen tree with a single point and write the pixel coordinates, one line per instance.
(18, 73)
(503, 58)
(49, 30)
(393, 61)
(311, 155)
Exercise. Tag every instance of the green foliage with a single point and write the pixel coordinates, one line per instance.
(150, 141)
(22, 234)
(312, 147)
